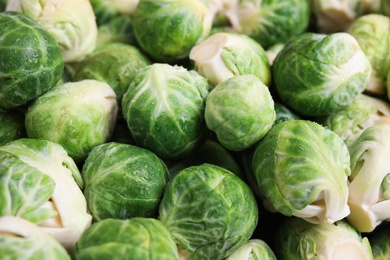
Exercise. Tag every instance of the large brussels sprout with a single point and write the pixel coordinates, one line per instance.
(106, 10)
(113, 63)
(240, 110)
(369, 187)
(372, 32)
(224, 55)
(301, 169)
(71, 22)
(317, 74)
(21, 239)
(64, 215)
(31, 62)
(297, 239)
(164, 110)
(209, 211)
(11, 126)
(167, 30)
(77, 115)
(123, 181)
(253, 249)
(271, 21)
(135, 238)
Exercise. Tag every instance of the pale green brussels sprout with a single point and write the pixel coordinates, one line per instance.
(167, 30)
(119, 29)
(21, 239)
(354, 118)
(123, 181)
(209, 211)
(77, 115)
(71, 22)
(224, 55)
(317, 74)
(135, 238)
(113, 63)
(297, 239)
(369, 187)
(301, 169)
(106, 10)
(31, 62)
(164, 110)
(240, 110)
(372, 31)
(269, 22)
(64, 214)
(253, 249)
(11, 126)
(380, 242)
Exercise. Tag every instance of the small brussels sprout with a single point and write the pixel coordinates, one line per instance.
(224, 55)
(113, 63)
(369, 182)
(209, 211)
(270, 22)
(135, 238)
(167, 30)
(31, 62)
(21, 239)
(71, 22)
(297, 239)
(372, 32)
(317, 74)
(123, 181)
(11, 126)
(301, 169)
(240, 110)
(253, 249)
(105, 10)
(77, 115)
(380, 242)
(119, 29)
(164, 110)
(284, 113)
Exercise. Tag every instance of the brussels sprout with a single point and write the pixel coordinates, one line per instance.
(270, 22)
(123, 181)
(67, 199)
(253, 249)
(119, 29)
(369, 187)
(224, 55)
(164, 110)
(77, 115)
(72, 23)
(21, 239)
(135, 238)
(284, 113)
(209, 211)
(380, 242)
(297, 239)
(167, 30)
(240, 110)
(3, 4)
(372, 32)
(113, 63)
(105, 10)
(11, 126)
(385, 8)
(317, 74)
(31, 62)
(301, 169)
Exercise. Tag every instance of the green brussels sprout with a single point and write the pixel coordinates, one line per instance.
(66, 201)
(164, 110)
(253, 249)
(301, 169)
(77, 115)
(284, 113)
(123, 181)
(119, 29)
(113, 63)
(11, 126)
(105, 10)
(31, 62)
(167, 30)
(372, 32)
(369, 182)
(318, 74)
(224, 55)
(209, 211)
(21, 239)
(135, 238)
(240, 110)
(269, 22)
(380, 242)
(72, 23)
(297, 239)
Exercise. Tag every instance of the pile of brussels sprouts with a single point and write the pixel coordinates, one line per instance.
(194, 129)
